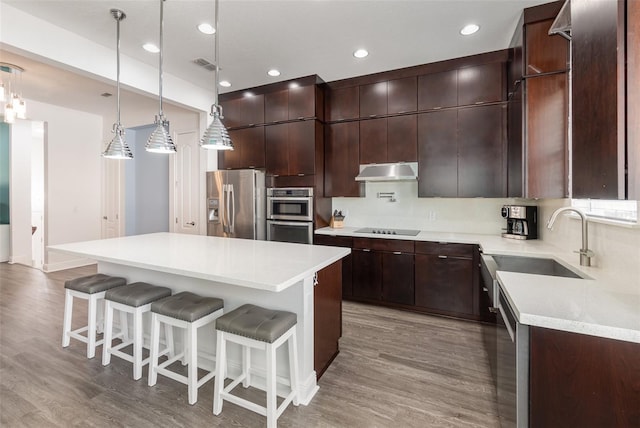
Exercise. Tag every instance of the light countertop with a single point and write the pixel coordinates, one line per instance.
(604, 304)
(271, 266)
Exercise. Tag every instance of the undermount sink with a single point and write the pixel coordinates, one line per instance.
(533, 265)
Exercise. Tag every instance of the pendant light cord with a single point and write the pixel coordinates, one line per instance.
(161, 48)
(215, 55)
(118, 17)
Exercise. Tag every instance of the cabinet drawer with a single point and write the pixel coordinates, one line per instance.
(336, 241)
(445, 249)
(383, 244)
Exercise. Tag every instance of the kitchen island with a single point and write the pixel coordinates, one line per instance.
(271, 274)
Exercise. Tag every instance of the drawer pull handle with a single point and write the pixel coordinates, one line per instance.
(397, 252)
(442, 257)
(493, 310)
(485, 289)
(366, 249)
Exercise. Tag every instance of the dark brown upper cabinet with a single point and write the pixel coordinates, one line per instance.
(248, 149)
(438, 90)
(402, 95)
(598, 99)
(294, 103)
(243, 111)
(482, 84)
(342, 160)
(373, 141)
(389, 139)
(290, 148)
(343, 104)
(544, 53)
(373, 99)
(438, 154)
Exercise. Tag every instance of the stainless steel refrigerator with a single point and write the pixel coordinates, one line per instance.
(236, 204)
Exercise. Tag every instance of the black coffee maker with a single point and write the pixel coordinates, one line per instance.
(522, 221)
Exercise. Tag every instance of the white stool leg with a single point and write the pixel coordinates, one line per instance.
(91, 332)
(293, 366)
(272, 415)
(68, 311)
(192, 377)
(124, 327)
(185, 347)
(154, 349)
(108, 331)
(137, 343)
(100, 316)
(168, 340)
(246, 366)
(221, 362)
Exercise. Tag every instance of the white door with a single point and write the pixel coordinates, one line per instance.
(186, 189)
(112, 193)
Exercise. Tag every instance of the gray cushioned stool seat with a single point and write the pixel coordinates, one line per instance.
(187, 306)
(94, 283)
(254, 322)
(137, 294)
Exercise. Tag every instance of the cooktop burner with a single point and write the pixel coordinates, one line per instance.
(380, 231)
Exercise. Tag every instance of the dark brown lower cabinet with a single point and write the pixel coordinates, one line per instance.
(327, 316)
(340, 241)
(397, 278)
(444, 283)
(585, 381)
(367, 274)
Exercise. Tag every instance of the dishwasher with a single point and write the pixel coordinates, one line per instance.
(511, 354)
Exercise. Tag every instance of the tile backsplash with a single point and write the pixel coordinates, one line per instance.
(469, 215)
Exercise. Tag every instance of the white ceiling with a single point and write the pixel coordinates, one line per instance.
(298, 37)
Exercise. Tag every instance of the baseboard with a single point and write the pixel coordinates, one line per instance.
(22, 260)
(69, 264)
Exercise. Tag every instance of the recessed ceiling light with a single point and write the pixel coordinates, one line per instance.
(361, 53)
(206, 28)
(225, 83)
(469, 29)
(273, 72)
(150, 47)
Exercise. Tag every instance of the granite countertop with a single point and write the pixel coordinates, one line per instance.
(271, 266)
(604, 304)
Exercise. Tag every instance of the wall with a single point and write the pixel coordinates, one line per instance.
(474, 215)
(146, 186)
(72, 179)
(617, 248)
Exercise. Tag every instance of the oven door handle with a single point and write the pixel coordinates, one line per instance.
(287, 199)
(290, 223)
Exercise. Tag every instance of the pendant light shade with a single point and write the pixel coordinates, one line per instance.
(118, 148)
(216, 136)
(159, 141)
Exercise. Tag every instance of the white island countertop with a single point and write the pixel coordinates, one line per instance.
(604, 304)
(263, 265)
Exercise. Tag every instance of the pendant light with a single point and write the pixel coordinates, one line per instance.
(216, 136)
(160, 141)
(118, 148)
(11, 94)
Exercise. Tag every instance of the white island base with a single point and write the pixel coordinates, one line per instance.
(269, 274)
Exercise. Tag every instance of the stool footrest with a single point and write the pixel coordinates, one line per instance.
(76, 335)
(163, 370)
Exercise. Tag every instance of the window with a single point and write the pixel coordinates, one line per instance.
(626, 211)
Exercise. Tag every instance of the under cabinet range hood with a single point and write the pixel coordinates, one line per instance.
(562, 24)
(388, 172)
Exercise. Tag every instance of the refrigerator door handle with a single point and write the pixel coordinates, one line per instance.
(225, 210)
(232, 217)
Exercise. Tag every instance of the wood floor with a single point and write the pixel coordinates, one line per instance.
(395, 369)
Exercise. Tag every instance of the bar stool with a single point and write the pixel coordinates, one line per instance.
(254, 327)
(91, 288)
(188, 311)
(135, 299)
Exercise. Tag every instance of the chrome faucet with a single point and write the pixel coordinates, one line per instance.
(585, 252)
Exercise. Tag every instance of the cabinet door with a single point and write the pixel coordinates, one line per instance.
(367, 274)
(276, 106)
(248, 149)
(344, 103)
(481, 84)
(515, 144)
(327, 313)
(437, 154)
(232, 159)
(544, 53)
(302, 102)
(482, 152)
(373, 141)
(402, 95)
(342, 160)
(402, 138)
(444, 283)
(547, 151)
(245, 111)
(277, 152)
(397, 278)
(438, 90)
(302, 143)
(347, 263)
(373, 99)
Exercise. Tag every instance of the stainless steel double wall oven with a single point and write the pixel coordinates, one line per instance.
(290, 214)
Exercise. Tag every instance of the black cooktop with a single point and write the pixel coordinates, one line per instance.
(383, 231)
